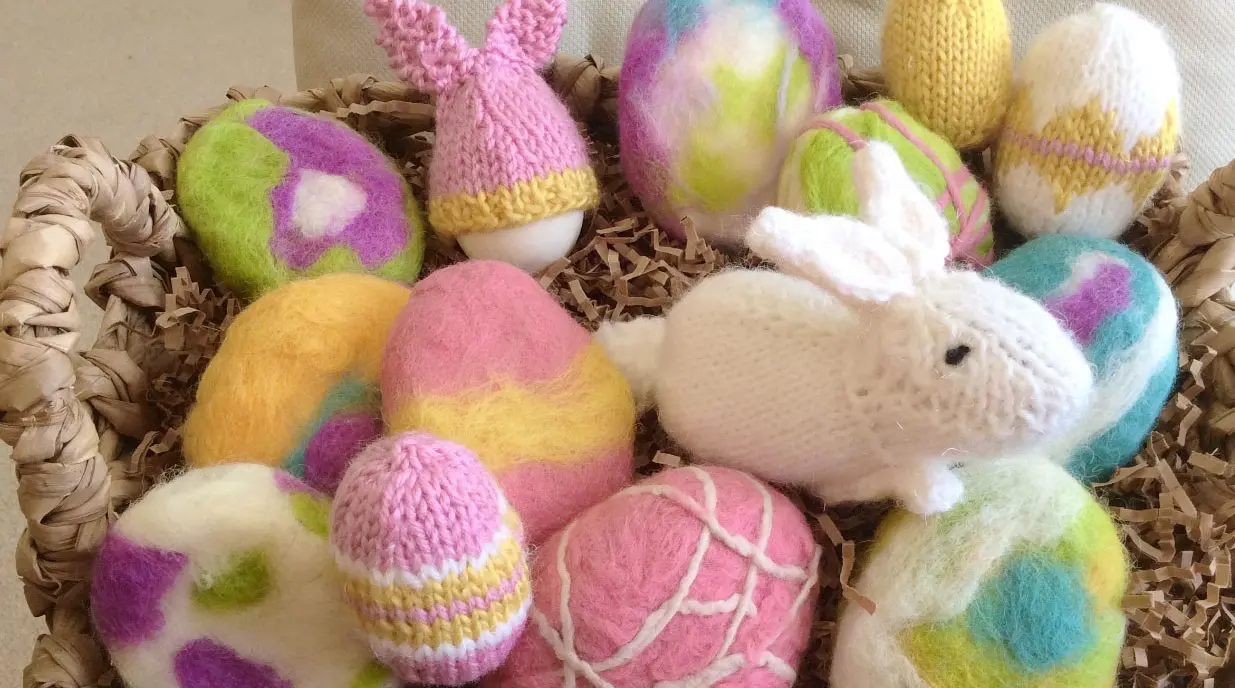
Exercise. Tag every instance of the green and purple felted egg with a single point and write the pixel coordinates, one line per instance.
(1121, 312)
(1020, 585)
(817, 178)
(711, 95)
(225, 577)
(275, 194)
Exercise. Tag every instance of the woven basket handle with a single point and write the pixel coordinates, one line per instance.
(65, 414)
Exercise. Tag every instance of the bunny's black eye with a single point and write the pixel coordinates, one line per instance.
(956, 355)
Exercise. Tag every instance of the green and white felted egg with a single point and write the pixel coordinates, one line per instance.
(1018, 587)
(225, 577)
(274, 194)
(817, 178)
(1119, 309)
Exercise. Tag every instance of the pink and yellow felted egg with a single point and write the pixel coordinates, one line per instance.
(274, 194)
(432, 559)
(817, 178)
(225, 577)
(711, 95)
(1020, 585)
(694, 577)
(295, 382)
(1093, 124)
(485, 357)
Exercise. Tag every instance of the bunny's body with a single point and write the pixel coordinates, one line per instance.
(867, 371)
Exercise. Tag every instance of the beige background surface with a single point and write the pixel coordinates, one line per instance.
(118, 70)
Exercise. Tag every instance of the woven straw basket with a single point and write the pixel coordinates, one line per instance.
(94, 426)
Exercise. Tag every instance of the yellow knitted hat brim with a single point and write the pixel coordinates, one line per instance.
(522, 203)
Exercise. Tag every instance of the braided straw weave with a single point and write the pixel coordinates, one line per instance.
(93, 426)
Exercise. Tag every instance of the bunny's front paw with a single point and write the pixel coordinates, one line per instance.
(932, 490)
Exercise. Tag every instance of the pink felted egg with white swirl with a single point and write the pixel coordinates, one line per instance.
(695, 577)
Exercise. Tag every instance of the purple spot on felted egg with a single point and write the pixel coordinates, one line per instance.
(315, 147)
(338, 441)
(204, 663)
(129, 582)
(1094, 299)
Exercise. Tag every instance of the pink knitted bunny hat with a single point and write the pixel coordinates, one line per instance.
(507, 151)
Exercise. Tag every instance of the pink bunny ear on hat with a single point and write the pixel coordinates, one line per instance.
(425, 50)
(531, 28)
(840, 254)
(891, 201)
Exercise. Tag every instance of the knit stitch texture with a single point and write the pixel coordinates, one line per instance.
(431, 558)
(507, 151)
(949, 62)
(864, 367)
(1093, 124)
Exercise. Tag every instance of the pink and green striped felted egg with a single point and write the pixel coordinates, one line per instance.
(224, 577)
(817, 178)
(711, 95)
(275, 194)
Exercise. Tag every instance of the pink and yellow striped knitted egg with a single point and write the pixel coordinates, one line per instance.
(432, 560)
(483, 356)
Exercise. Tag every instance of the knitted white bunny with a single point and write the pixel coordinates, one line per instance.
(865, 368)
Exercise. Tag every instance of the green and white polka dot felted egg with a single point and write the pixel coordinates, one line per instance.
(1020, 586)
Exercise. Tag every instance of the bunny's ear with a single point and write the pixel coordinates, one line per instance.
(425, 50)
(530, 28)
(838, 253)
(892, 201)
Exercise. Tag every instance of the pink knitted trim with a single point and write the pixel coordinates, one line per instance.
(1105, 161)
(440, 612)
(850, 136)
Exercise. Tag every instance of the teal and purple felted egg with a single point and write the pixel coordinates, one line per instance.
(1122, 313)
(225, 577)
(712, 93)
(1020, 585)
(275, 194)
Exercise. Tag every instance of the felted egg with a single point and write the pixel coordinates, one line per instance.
(950, 65)
(275, 194)
(295, 382)
(225, 577)
(694, 577)
(1093, 124)
(1021, 585)
(432, 559)
(817, 178)
(711, 95)
(1120, 310)
(485, 357)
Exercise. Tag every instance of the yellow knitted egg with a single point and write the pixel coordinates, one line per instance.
(949, 62)
(1093, 124)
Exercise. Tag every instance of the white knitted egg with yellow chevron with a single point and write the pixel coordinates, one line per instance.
(1093, 124)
